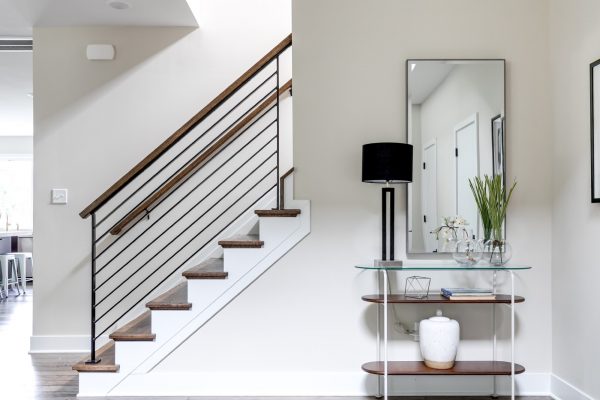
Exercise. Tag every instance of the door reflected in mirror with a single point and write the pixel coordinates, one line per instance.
(456, 123)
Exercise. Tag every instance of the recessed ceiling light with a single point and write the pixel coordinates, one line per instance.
(119, 4)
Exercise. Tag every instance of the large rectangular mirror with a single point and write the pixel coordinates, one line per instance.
(594, 117)
(456, 123)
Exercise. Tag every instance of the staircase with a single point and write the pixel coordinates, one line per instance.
(187, 229)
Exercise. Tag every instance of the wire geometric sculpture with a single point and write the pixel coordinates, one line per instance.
(417, 287)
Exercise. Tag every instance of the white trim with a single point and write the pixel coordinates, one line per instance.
(434, 217)
(61, 344)
(563, 390)
(275, 383)
(472, 119)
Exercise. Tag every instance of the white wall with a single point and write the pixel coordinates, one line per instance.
(95, 120)
(304, 317)
(574, 34)
(16, 86)
(305, 314)
(13, 145)
(349, 70)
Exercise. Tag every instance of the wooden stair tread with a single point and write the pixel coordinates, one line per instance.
(241, 241)
(460, 368)
(106, 354)
(212, 268)
(293, 212)
(173, 299)
(140, 329)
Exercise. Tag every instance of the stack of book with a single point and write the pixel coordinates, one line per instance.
(468, 294)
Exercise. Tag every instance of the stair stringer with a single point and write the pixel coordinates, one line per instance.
(208, 297)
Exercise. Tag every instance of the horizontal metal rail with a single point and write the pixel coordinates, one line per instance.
(183, 263)
(187, 195)
(187, 148)
(194, 211)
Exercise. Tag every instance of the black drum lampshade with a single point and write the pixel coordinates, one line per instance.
(387, 163)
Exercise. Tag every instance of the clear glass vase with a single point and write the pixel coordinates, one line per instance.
(496, 251)
(468, 252)
(448, 245)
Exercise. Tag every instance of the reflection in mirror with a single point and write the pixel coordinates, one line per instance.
(455, 121)
(595, 117)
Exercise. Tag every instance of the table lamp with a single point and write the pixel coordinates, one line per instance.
(387, 163)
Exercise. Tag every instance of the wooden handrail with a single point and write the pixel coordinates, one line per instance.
(199, 161)
(282, 188)
(187, 127)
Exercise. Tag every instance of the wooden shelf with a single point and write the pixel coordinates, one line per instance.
(460, 368)
(437, 298)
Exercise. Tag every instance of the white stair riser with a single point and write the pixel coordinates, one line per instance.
(129, 354)
(272, 229)
(166, 323)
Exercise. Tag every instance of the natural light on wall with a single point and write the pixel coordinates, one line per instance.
(16, 193)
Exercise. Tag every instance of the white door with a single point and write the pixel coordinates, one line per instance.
(429, 195)
(467, 166)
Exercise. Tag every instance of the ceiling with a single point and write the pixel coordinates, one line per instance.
(424, 77)
(17, 17)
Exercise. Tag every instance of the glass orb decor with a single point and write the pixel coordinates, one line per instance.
(468, 252)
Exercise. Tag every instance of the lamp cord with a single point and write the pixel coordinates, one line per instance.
(398, 325)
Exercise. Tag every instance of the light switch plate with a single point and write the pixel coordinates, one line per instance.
(59, 196)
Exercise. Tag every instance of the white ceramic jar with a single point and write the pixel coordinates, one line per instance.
(439, 337)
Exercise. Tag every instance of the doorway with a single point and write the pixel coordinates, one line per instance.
(466, 140)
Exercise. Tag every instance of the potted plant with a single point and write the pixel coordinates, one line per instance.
(492, 201)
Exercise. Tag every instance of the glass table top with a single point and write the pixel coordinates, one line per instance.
(446, 267)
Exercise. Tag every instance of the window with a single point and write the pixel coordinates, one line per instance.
(16, 193)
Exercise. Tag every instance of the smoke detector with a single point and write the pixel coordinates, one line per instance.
(119, 4)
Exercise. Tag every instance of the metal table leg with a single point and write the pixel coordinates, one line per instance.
(495, 338)
(379, 377)
(385, 336)
(512, 335)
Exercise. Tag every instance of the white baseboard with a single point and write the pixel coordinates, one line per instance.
(62, 344)
(315, 384)
(563, 390)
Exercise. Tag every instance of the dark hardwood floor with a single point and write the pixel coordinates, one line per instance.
(49, 376)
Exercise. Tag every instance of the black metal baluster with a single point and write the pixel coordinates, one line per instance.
(277, 91)
(93, 359)
(130, 300)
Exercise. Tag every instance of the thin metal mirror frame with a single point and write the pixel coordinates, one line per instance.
(406, 69)
(592, 66)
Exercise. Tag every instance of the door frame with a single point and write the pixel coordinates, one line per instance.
(472, 119)
(425, 146)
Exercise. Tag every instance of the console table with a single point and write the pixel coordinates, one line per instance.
(383, 368)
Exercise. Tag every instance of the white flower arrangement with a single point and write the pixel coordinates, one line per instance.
(451, 228)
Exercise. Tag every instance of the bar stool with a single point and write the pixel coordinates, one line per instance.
(21, 259)
(8, 262)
